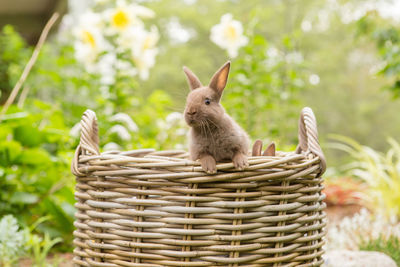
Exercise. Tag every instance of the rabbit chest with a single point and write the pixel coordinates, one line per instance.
(221, 143)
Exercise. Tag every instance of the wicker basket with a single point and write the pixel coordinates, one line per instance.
(157, 208)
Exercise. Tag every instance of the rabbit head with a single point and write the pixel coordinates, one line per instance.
(203, 102)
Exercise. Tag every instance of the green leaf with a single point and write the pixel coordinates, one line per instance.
(28, 135)
(9, 151)
(34, 156)
(24, 198)
(4, 132)
(60, 218)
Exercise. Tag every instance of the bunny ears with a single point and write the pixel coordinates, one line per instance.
(193, 81)
(217, 83)
(257, 149)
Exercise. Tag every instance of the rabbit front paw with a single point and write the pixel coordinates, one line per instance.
(240, 161)
(208, 164)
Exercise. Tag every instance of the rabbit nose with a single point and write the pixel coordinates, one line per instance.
(191, 113)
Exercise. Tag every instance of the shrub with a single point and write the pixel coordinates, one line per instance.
(16, 242)
(12, 240)
(34, 169)
(381, 173)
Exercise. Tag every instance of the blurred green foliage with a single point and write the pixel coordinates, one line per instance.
(261, 85)
(386, 36)
(34, 168)
(12, 59)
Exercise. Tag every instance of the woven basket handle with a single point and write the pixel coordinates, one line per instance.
(89, 142)
(308, 137)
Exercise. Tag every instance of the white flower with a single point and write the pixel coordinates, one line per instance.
(177, 33)
(123, 65)
(126, 119)
(75, 130)
(101, 2)
(180, 147)
(111, 146)
(144, 51)
(273, 52)
(190, 2)
(121, 131)
(174, 117)
(88, 29)
(106, 68)
(284, 95)
(127, 39)
(126, 68)
(274, 57)
(162, 125)
(294, 58)
(77, 7)
(314, 79)
(362, 227)
(144, 62)
(125, 15)
(90, 41)
(324, 20)
(181, 131)
(142, 46)
(114, 41)
(172, 128)
(228, 34)
(162, 136)
(306, 25)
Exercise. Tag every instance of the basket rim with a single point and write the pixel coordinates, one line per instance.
(308, 150)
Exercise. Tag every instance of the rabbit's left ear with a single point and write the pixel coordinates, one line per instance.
(193, 81)
(218, 81)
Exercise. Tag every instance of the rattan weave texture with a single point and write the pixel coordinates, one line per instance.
(157, 208)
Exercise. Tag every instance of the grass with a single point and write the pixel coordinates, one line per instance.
(390, 247)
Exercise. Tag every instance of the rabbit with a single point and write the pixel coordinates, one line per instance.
(214, 135)
(257, 149)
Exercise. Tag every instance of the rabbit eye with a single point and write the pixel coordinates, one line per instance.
(207, 101)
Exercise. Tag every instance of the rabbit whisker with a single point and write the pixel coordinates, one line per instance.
(212, 137)
(213, 123)
(203, 128)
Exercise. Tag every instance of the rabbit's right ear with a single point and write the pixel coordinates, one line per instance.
(193, 81)
(218, 81)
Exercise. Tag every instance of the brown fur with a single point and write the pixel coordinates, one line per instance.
(214, 135)
(257, 149)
